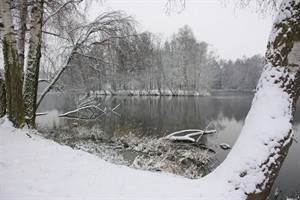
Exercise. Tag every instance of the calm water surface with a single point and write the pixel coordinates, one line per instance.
(158, 116)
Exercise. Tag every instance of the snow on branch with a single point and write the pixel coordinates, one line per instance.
(41, 114)
(187, 135)
(113, 110)
(61, 8)
(79, 109)
(108, 27)
(95, 110)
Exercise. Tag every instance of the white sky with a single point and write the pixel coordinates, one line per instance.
(231, 32)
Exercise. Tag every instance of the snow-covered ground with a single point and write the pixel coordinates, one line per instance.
(36, 168)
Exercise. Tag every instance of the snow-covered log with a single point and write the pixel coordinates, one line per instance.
(187, 135)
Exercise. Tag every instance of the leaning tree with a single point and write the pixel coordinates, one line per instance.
(251, 167)
(53, 32)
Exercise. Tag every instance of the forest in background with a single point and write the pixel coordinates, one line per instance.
(144, 62)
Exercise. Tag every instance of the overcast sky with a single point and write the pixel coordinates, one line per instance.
(232, 32)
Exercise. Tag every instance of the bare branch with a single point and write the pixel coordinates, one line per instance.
(41, 114)
(93, 108)
(79, 109)
(55, 79)
(54, 34)
(60, 8)
(95, 58)
(172, 5)
(44, 80)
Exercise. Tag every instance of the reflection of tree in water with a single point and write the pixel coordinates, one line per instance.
(55, 101)
(167, 114)
(162, 115)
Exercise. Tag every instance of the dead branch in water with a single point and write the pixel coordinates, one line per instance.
(95, 112)
(188, 134)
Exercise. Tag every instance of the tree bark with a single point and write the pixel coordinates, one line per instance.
(33, 66)
(283, 57)
(2, 97)
(253, 164)
(22, 32)
(12, 67)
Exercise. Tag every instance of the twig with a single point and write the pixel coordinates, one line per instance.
(113, 110)
(41, 114)
(79, 109)
(203, 132)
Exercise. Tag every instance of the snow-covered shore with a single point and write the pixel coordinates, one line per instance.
(155, 92)
(36, 168)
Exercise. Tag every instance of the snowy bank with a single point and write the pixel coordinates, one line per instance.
(34, 167)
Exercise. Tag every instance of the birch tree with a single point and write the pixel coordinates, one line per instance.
(33, 64)
(44, 23)
(12, 66)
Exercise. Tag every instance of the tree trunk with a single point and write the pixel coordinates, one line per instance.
(2, 97)
(255, 160)
(34, 55)
(22, 32)
(12, 67)
(283, 58)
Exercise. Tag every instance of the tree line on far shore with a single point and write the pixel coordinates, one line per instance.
(143, 62)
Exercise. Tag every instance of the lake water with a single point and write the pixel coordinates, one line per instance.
(159, 116)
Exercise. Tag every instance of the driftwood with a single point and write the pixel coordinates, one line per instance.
(188, 135)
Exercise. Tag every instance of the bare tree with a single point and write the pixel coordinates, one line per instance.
(57, 24)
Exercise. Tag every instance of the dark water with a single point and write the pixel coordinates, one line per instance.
(224, 111)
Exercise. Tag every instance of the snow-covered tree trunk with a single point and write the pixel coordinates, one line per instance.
(12, 66)
(57, 76)
(283, 73)
(254, 162)
(33, 65)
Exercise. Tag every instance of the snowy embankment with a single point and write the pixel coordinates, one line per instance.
(34, 167)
